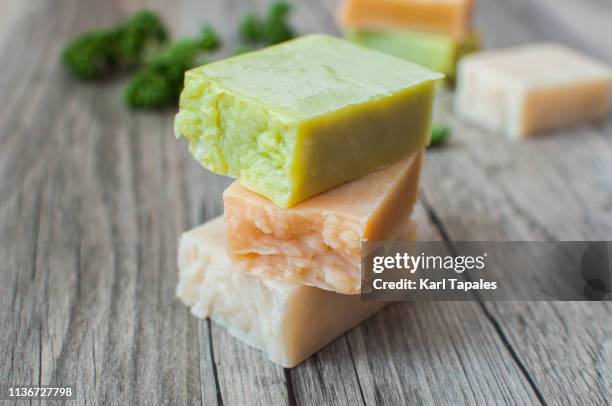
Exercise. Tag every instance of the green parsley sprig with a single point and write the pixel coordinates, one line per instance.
(96, 54)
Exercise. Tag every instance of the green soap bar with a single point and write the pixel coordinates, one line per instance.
(302, 117)
(433, 51)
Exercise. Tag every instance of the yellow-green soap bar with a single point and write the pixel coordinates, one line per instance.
(302, 117)
(436, 52)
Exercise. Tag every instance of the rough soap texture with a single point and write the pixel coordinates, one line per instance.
(317, 242)
(288, 322)
(452, 18)
(302, 117)
(523, 90)
(433, 51)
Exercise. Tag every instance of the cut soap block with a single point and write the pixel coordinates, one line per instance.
(433, 51)
(302, 117)
(452, 18)
(317, 242)
(288, 322)
(526, 89)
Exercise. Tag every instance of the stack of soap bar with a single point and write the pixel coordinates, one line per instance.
(289, 322)
(434, 51)
(431, 33)
(302, 117)
(451, 18)
(317, 242)
(327, 139)
(520, 91)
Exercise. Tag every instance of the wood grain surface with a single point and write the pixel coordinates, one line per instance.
(93, 198)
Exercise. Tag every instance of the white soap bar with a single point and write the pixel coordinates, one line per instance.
(288, 322)
(526, 89)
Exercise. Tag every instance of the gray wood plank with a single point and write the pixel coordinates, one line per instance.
(551, 188)
(246, 377)
(94, 221)
(538, 190)
(435, 353)
(328, 377)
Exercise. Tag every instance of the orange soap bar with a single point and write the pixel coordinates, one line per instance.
(318, 241)
(448, 17)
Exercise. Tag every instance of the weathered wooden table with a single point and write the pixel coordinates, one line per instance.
(93, 198)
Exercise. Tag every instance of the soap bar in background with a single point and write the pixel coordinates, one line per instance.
(433, 51)
(520, 91)
(288, 322)
(302, 117)
(452, 18)
(317, 242)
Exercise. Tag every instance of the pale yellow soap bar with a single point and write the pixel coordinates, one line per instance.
(288, 322)
(452, 18)
(318, 241)
(523, 90)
